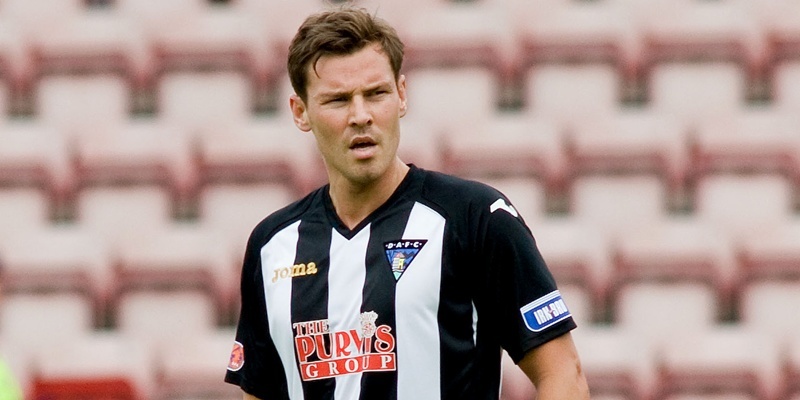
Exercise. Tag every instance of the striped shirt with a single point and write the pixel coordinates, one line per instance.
(413, 303)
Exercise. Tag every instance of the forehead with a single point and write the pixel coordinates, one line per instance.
(367, 66)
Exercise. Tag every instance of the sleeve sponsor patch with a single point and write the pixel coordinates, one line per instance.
(545, 311)
(236, 361)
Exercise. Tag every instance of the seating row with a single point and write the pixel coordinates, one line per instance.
(141, 38)
(665, 342)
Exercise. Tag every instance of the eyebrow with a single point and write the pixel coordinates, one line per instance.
(371, 88)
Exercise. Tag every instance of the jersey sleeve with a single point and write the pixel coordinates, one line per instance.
(531, 310)
(254, 363)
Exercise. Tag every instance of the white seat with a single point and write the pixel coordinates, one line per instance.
(157, 319)
(661, 312)
(191, 368)
(34, 153)
(711, 30)
(572, 94)
(762, 309)
(204, 100)
(141, 151)
(725, 358)
(36, 323)
(177, 256)
(260, 149)
(509, 144)
(619, 204)
(773, 254)
(23, 207)
(233, 210)
(560, 30)
(616, 362)
(58, 257)
(744, 205)
(527, 195)
(451, 99)
(785, 85)
(452, 33)
(632, 140)
(756, 139)
(80, 104)
(97, 365)
(119, 214)
(692, 92)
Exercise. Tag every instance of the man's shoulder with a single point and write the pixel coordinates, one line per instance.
(456, 194)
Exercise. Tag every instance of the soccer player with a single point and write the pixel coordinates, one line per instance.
(389, 282)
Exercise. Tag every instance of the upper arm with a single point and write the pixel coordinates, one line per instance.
(555, 369)
(248, 396)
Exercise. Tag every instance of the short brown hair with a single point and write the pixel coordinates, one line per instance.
(339, 32)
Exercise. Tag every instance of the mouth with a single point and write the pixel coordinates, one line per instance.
(362, 143)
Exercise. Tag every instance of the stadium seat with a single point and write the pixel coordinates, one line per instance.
(16, 59)
(633, 140)
(572, 94)
(217, 37)
(201, 101)
(452, 99)
(757, 139)
(260, 149)
(660, 312)
(515, 144)
(691, 30)
(39, 323)
(785, 85)
(744, 205)
(63, 258)
(617, 363)
(773, 254)
(182, 255)
(726, 358)
(181, 315)
(92, 40)
(140, 151)
(762, 305)
(23, 208)
(233, 210)
(690, 92)
(619, 205)
(568, 31)
(580, 303)
(679, 249)
(791, 387)
(100, 365)
(77, 104)
(191, 368)
(34, 154)
(420, 144)
(778, 21)
(122, 213)
(458, 34)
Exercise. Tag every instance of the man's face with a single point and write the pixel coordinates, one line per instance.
(353, 107)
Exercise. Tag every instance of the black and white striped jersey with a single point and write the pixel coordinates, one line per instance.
(414, 303)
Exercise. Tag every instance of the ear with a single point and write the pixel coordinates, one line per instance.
(299, 114)
(401, 91)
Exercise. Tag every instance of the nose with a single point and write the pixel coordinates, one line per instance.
(360, 115)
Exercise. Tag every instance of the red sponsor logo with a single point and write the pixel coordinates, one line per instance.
(236, 362)
(324, 353)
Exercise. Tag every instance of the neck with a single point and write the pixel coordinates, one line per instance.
(353, 202)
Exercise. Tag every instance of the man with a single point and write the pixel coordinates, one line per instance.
(390, 282)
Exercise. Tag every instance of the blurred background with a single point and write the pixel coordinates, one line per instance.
(653, 147)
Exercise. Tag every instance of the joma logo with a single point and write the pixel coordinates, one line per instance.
(295, 270)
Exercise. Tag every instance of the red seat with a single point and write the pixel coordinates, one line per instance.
(109, 388)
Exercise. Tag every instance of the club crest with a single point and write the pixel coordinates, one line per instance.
(401, 253)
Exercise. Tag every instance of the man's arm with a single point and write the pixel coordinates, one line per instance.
(555, 370)
(250, 397)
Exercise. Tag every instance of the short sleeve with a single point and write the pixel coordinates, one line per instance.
(254, 363)
(531, 309)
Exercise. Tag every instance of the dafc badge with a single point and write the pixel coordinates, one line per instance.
(400, 253)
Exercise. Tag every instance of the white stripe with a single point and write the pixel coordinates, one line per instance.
(474, 324)
(279, 253)
(417, 307)
(346, 286)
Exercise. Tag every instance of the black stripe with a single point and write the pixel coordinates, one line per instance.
(379, 277)
(310, 293)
